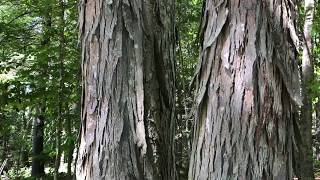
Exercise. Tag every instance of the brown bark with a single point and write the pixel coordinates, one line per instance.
(128, 90)
(248, 85)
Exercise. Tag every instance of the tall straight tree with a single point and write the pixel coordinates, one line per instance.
(306, 161)
(61, 88)
(128, 90)
(37, 169)
(247, 91)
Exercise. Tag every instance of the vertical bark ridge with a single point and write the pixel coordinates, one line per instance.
(128, 90)
(248, 87)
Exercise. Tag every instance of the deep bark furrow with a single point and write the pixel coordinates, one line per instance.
(128, 90)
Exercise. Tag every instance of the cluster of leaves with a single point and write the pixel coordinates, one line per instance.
(30, 74)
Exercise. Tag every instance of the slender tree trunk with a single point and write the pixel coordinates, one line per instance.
(37, 144)
(248, 85)
(58, 141)
(70, 145)
(316, 138)
(23, 158)
(306, 153)
(4, 147)
(3, 136)
(61, 89)
(128, 90)
(37, 169)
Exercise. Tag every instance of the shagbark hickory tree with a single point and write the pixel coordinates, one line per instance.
(128, 89)
(247, 91)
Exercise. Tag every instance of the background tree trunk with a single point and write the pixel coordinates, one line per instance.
(23, 159)
(128, 90)
(306, 154)
(316, 137)
(70, 144)
(248, 86)
(37, 169)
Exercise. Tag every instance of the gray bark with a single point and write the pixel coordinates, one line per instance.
(306, 154)
(247, 91)
(128, 90)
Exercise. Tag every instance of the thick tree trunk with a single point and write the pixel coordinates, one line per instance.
(128, 90)
(306, 154)
(37, 145)
(248, 86)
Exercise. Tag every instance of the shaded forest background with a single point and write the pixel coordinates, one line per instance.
(40, 75)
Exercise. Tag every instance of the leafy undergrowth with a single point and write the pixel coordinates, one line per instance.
(25, 173)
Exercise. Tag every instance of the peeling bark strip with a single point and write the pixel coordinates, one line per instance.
(248, 87)
(128, 90)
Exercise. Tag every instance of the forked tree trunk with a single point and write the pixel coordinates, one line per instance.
(248, 85)
(128, 90)
(306, 153)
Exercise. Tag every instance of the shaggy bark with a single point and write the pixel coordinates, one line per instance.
(306, 154)
(128, 90)
(248, 88)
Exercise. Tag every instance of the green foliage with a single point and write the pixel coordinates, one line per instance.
(187, 24)
(22, 173)
(30, 75)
